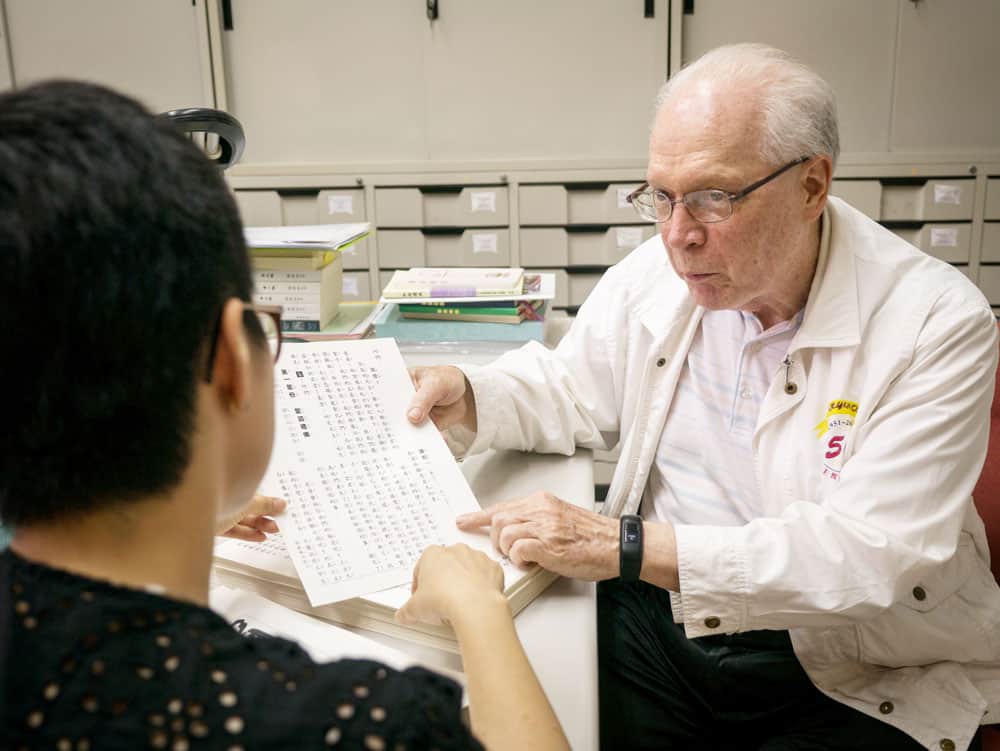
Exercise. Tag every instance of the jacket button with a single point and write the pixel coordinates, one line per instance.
(919, 593)
(886, 707)
(712, 622)
(661, 362)
(791, 388)
(947, 744)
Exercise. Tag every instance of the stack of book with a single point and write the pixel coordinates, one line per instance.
(300, 269)
(457, 304)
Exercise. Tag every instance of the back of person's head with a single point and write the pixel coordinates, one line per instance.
(119, 243)
(797, 109)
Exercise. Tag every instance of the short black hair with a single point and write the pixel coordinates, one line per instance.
(119, 244)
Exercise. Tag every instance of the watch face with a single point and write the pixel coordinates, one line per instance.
(631, 534)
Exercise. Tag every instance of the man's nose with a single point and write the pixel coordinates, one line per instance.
(682, 230)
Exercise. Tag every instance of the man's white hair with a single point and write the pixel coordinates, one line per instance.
(797, 107)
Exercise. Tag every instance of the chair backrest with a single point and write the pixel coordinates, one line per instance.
(987, 491)
(204, 121)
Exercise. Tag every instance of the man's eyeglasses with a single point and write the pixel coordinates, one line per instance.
(707, 206)
(268, 318)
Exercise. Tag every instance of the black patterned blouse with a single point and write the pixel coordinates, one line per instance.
(88, 665)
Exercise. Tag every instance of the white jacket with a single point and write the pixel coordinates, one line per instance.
(870, 551)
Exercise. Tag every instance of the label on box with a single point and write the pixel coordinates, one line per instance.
(627, 238)
(483, 200)
(350, 287)
(950, 194)
(944, 237)
(340, 204)
(623, 194)
(483, 243)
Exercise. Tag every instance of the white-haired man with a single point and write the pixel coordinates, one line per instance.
(802, 403)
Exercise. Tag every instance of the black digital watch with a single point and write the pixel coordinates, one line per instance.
(630, 548)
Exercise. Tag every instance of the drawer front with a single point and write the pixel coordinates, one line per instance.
(864, 195)
(561, 300)
(991, 242)
(472, 206)
(259, 208)
(607, 206)
(400, 248)
(337, 205)
(356, 255)
(542, 204)
(935, 200)
(989, 283)
(356, 286)
(544, 246)
(608, 247)
(474, 247)
(580, 286)
(949, 242)
(993, 198)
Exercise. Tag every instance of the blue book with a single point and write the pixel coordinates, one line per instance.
(391, 323)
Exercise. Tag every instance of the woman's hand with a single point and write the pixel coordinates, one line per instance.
(452, 582)
(252, 522)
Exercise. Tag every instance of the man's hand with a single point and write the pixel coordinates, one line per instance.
(556, 535)
(252, 523)
(444, 394)
(452, 583)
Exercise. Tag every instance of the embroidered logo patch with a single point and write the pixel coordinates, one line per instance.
(837, 422)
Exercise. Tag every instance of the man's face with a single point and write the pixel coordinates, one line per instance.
(706, 137)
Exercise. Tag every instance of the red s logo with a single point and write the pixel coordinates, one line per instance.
(836, 446)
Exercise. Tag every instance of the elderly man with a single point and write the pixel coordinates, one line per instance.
(802, 402)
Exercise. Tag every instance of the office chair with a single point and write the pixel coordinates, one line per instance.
(200, 122)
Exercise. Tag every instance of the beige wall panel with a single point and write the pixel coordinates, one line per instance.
(850, 43)
(320, 81)
(937, 199)
(557, 79)
(149, 50)
(947, 94)
(991, 243)
(993, 198)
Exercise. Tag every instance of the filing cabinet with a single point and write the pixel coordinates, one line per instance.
(403, 248)
(938, 199)
(864, 195)
(469, 206)
(577, 203)
(949, 242)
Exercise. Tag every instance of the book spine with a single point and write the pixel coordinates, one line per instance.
(261, 276)
(289, 298)
(297, 325)
(287, 288)
(458, 311)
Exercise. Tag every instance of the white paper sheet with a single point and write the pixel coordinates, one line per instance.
(367, 490)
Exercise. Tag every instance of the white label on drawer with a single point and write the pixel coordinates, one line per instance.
(350, 286)
(623, 194)
(627, 238)
(484, 243)
(948, 194)
(483, 200)
(340, 204)
(944, 237)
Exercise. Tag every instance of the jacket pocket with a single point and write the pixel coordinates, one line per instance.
(949, 615)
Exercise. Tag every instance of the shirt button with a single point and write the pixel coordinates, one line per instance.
(746, 394)
(919, 593)
(791, 388)
(712, 622)
(661, 362)
(947, 744)
(886, 707)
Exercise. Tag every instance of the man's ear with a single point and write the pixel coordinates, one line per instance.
(816, 182)
(232, 371)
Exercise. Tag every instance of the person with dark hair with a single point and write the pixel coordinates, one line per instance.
(139, 412)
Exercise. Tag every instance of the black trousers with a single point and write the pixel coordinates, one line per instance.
(661, 690)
